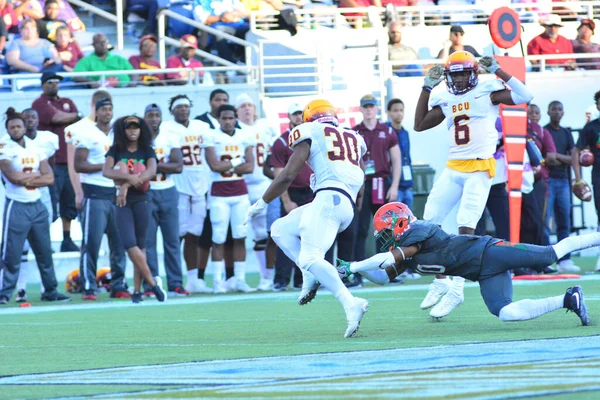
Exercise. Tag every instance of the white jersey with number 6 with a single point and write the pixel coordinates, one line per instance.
(262, 134)
(193, 180)
(471, 121)
(335, 155)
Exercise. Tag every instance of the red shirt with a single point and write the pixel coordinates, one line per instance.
(138, 62)
(70, 54)
(10, 18)
(46, 108)
(177, 62)
(541, 44)
(280, 155)
(379, 141)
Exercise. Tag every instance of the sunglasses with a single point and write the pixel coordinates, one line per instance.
(53, 81)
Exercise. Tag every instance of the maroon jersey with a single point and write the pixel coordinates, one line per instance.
(46, 108)
(280, 155)
(138, 62)
(379, 141)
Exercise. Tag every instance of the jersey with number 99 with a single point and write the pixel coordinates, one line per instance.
(471, 121)
(335, 155)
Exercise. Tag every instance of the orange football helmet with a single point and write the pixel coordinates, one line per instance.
(390, 222)
(320, 111)
(103, 277)
(458, 62)
(73, 282)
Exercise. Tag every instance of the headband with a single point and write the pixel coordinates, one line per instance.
(178, 102)
(102, 103)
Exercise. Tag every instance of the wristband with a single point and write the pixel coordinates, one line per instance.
(427, 89)
(236, 161)
(579, 182)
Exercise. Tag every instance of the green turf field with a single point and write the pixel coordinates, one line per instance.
(89, 339)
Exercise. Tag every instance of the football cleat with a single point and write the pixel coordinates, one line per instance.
(574, 302)
(89, 295)
(437, 289)
(354, 315)
(55, 296)
(120, 294)
(158, 290)
(179, 292)
(449, 302)
(219, 287)
(136, 298)
(3, 300)
(265, 285)
(21, 296)
(343, 268)
(310, 285)
(241, 286)
(197, 286)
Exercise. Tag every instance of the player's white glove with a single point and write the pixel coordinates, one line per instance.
(313, 182)
(434, 77)
(254, 210)
(489, 64)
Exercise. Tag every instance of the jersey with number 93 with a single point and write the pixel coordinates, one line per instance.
(335, 155)
(471, 119)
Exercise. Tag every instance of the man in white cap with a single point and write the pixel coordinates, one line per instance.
(263, 135)
(550, 42)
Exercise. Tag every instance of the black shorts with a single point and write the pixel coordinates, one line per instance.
(64, 193)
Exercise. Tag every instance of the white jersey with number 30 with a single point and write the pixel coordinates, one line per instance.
(335, 155)
(471, 120)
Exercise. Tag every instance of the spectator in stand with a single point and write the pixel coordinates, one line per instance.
(30, 54)
(550, 42)
(67, 48)
(184, 59)
(145, 60)
(151, 7)
(399, 52)
(583, 44)
(381, 160)
(55, 113)
(229, 16)
(9, 15)
(559, 184)
(34, 9)
(3, 36)
(298, 194)
(48, 25)
(102, 60)
(455, 43)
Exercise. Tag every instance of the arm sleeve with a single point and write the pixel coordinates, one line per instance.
(300, 134)
(81, 142)
(150, 153)
(111, 152)
(392, 139)
(548, 143)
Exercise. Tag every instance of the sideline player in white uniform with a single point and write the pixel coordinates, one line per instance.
(306, 233)
(24, 169)
(263, 134)
(229, 156)
(470, 110)
(47, 142)
(192, 183)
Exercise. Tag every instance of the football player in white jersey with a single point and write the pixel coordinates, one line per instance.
(470, 110)
(24, 169)
(47, 142)
(230, 156)
(164, 199)
(192, 183)
(306, 233)
(263, 134)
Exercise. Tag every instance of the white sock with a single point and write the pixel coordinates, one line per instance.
(378, 261)
(574, 243)
(379, 277)
(239, 270)
(328, 276)
(218, 271)
(458, 284)
(528, 309)
(269, 274)
(192, 275)
(261, 257)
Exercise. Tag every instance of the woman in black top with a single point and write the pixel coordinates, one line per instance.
(133, 144)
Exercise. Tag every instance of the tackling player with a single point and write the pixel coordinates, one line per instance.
(470, 110)
(306, 233)
(426, 247)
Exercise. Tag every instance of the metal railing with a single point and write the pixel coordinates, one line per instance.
(163, 39)
(26, 82)
(334, 17)
(117, 19)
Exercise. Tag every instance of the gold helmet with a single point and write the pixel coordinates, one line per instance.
(320, 111)
(103, 277)
(73, 283)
